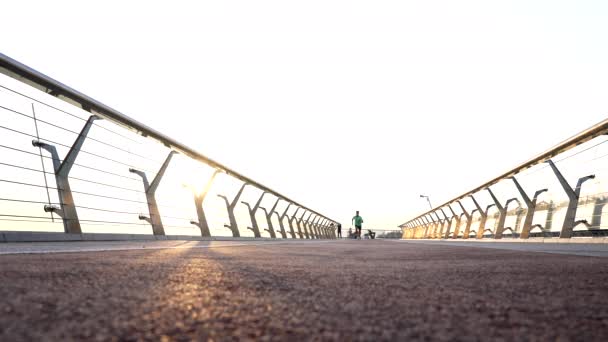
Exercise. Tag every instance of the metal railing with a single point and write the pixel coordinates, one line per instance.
(69, 161)
(559, 193)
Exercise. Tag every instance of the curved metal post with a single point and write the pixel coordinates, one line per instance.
(321, 228)
(305, 225)
(291, 231)
(573, 196)
(199, 198)
(531, 205)
(150, 189)
(67, 209)
(502, 210)
(446, 220)
(484, 217)
(439, 224)
(467, 228)
(472, 214)
(233, 226)
(456, 226)
(308, 226)
(269, 219)
(254, 222)
(315, 227)
(291, 220)
(324, 226)
(598, 207)
(298, 221)
(432, 225)
(426, 226)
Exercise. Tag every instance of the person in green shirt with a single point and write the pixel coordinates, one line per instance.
(358, 221)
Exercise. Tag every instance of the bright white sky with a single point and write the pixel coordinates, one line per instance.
(341, 105)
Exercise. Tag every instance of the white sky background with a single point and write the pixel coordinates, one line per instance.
(341, 105)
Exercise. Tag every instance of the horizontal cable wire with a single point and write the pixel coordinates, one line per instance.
(26, 184)
(68, 146)
(78, 133)
(74, 178)
(47, 220)
(75, 164)
(26, 201)
(115, 222)
(109, 210)
(24, 216)
(65, 112)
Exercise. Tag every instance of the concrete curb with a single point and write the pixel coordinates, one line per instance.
(15, 236)
(584, 240)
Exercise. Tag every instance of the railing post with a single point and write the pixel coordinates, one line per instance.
(324, 228)
(438, 226)
(531, 205)
(598, 207)
(320, 229)
(291, 231)
(299, 222)
(502, 211)
(483, 219)
(269, 219)
(573, 197)
(67, 210)
(433, 224)
(150, 190)
(233, 226)
(457, 225)
(427, 225)
(293, 219)
(467, 228)
(303, 223)
(449, 223)
(308, 226)
(419, 227)
(315, 226)
(423, 227)
(254, 222)
(199, 198)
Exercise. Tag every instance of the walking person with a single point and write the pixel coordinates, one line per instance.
(358, 221)
(339, 230)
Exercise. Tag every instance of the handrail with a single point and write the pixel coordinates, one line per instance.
(21, 72)
(582, 137)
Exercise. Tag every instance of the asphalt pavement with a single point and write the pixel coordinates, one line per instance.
(368, 290)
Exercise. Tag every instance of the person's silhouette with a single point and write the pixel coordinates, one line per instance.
(358, 221)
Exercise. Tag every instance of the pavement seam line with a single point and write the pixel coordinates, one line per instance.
(144, 248)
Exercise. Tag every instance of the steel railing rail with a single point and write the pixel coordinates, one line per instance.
(594, 131)
(25, 74)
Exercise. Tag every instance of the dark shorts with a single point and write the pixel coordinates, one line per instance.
(358, 227)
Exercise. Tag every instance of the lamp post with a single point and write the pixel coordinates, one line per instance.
(428, 200)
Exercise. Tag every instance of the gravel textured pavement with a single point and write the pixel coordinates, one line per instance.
(367, 290)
